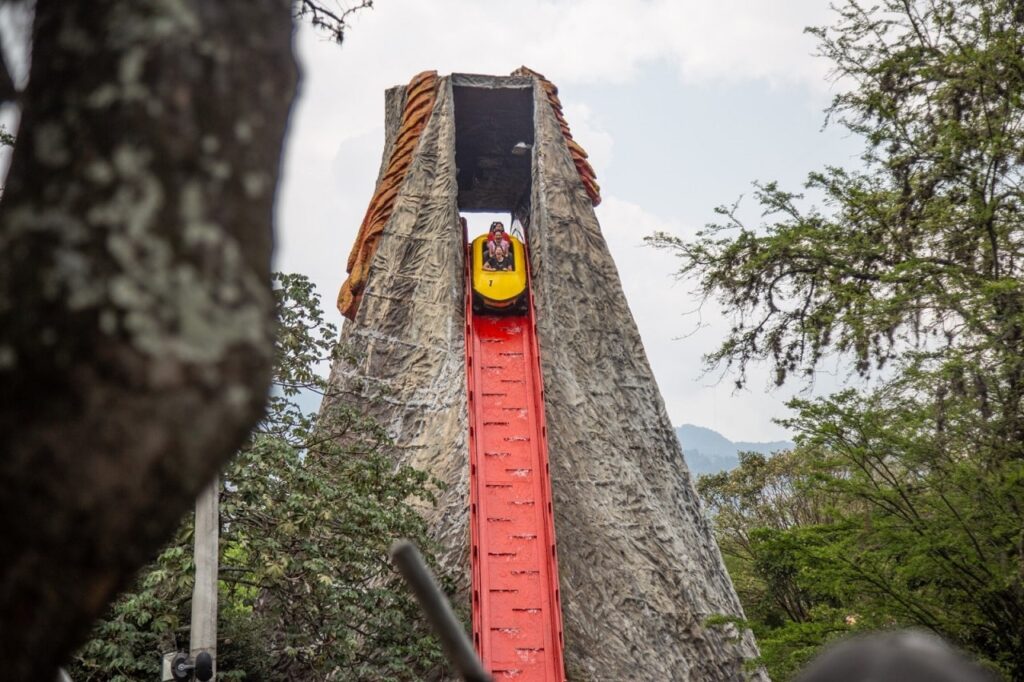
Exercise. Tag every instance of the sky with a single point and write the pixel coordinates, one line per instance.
(681, 105)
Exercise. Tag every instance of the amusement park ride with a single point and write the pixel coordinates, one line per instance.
(486, 357)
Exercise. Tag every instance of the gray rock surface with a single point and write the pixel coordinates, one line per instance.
(409, 330)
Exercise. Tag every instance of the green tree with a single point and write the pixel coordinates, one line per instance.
(309, 508)
(775, 526)
(912, 264)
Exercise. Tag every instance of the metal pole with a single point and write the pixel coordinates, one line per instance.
(204, 592)
(439, 612)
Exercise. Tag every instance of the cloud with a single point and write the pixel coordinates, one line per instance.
(738, 40)
(570, 41)
(323, 198)
(589, 133)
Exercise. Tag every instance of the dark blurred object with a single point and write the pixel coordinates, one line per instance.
(907, 656)
(439, 612)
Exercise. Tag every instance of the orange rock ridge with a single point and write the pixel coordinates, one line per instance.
(419, 103)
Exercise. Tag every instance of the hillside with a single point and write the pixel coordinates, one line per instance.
(708, 451)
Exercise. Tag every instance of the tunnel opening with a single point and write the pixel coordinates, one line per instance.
(493, 143)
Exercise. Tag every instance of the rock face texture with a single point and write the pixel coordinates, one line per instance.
(409, 329)
(639, 569)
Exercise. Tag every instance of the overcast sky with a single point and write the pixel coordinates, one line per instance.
(681, 104)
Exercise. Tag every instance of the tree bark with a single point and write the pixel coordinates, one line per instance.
(135, 304)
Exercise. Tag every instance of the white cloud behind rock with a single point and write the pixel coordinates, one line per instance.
(570, 41)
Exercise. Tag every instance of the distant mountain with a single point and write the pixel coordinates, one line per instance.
(708, 452)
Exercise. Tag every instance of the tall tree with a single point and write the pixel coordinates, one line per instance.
(135, 306)
(774, 522)
(914, 263)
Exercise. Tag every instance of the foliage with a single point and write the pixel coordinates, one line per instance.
(877, 519)
(903, 505)
(774, 525)
(934, 502)
(308, 509)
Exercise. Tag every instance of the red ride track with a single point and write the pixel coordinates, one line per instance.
(517, 615)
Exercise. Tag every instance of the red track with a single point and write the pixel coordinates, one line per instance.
(517, 615)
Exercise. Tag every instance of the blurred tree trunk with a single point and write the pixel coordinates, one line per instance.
(135, 306)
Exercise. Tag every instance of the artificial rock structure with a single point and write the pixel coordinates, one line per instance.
(639, 569)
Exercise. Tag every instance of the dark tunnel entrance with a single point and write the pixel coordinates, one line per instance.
(493, 142)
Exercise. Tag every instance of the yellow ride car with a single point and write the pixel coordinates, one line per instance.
(499, 274)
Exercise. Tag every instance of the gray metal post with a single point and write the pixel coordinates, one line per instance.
(204, 593)
(438, 611)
